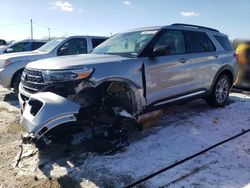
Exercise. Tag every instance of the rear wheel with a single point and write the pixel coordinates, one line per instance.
(220, 92)
(16, 82)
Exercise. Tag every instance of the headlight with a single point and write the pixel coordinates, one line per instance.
(67, 75)
(4, 63)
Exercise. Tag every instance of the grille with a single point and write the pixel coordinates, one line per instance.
(32, 80)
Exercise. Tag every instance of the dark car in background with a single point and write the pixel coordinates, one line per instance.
(23, 46)
(2, 42)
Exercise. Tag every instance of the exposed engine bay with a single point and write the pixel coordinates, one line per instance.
(105, 109)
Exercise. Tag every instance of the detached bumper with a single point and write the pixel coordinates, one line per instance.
(46, 110)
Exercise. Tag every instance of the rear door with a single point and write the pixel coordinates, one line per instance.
(36, 45)
(170, 75)
(97, 41)
(203, 59)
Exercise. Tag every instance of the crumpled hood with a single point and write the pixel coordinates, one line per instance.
(74, 61)
(13, 57)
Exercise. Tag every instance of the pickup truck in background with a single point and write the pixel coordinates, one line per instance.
(12, 65)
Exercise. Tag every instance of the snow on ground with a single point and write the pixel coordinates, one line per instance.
(199, 127)
(226, 166)
(182, 131)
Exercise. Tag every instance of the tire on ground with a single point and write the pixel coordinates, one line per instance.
(215, 101)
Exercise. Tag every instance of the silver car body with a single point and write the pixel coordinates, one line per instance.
(154, 81)
(21, 59)
(58, 115)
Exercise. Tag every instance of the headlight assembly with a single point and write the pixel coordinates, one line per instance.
(66, 75)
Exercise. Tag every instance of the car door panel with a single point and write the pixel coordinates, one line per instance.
(171, 74)
(167, 77)
(179, 74)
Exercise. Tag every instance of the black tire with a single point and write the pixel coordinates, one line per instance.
(16, 82)
(220, 92)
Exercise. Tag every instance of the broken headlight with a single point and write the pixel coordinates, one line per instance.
(66, 75)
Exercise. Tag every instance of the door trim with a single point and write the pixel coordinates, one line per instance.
(180, 98)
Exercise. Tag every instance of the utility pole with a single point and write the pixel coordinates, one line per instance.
(49, 32)
(31, 29)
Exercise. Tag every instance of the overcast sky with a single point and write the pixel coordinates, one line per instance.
(96, 17)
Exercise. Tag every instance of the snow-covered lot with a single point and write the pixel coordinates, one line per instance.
(182, 131)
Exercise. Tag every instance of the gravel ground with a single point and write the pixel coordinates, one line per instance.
(182, 131)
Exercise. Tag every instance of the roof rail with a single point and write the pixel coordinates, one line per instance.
(195, 26)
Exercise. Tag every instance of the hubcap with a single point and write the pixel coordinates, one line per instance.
(221, 91)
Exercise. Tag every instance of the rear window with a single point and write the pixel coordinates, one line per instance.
(198, 42)
(36, 45)
(224, 42)
(96, 42)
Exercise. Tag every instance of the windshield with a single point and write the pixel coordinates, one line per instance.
(50, 45)
(131, 43)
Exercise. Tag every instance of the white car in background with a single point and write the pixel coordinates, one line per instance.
(12, 65)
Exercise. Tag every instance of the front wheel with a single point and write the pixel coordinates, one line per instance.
(220, 92)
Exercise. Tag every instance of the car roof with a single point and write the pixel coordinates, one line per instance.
(30, 40)
(188, 27)
(85, 36)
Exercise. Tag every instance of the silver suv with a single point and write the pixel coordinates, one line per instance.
(12, 65)
(132, 73)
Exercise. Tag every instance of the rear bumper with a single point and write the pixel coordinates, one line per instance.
(46, 110)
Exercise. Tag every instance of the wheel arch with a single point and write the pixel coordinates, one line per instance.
(137, 91)
(14, 76)
(138, 98)
(227, 70)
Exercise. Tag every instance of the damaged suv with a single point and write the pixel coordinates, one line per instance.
(131, 74)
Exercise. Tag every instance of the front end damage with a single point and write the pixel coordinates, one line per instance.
(44, 111)
(104, 113)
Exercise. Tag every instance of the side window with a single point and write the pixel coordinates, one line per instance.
(21, 47)
(198, 42)
(224, 42)
(96, 42)
(36, 45)
(174, 42)
(73, 47)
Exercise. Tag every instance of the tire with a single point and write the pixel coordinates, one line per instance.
(16, 82)
(220, 92)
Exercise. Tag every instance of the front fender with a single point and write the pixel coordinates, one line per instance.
(46, 110)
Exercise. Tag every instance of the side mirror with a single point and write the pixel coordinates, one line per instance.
(62, 51)
(162, 50)
(9, 50)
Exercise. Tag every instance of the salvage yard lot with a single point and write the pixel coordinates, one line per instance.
(182, 131)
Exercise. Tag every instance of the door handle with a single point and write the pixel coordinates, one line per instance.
(183, 60)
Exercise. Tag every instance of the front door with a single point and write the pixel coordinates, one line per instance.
(169, 75)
